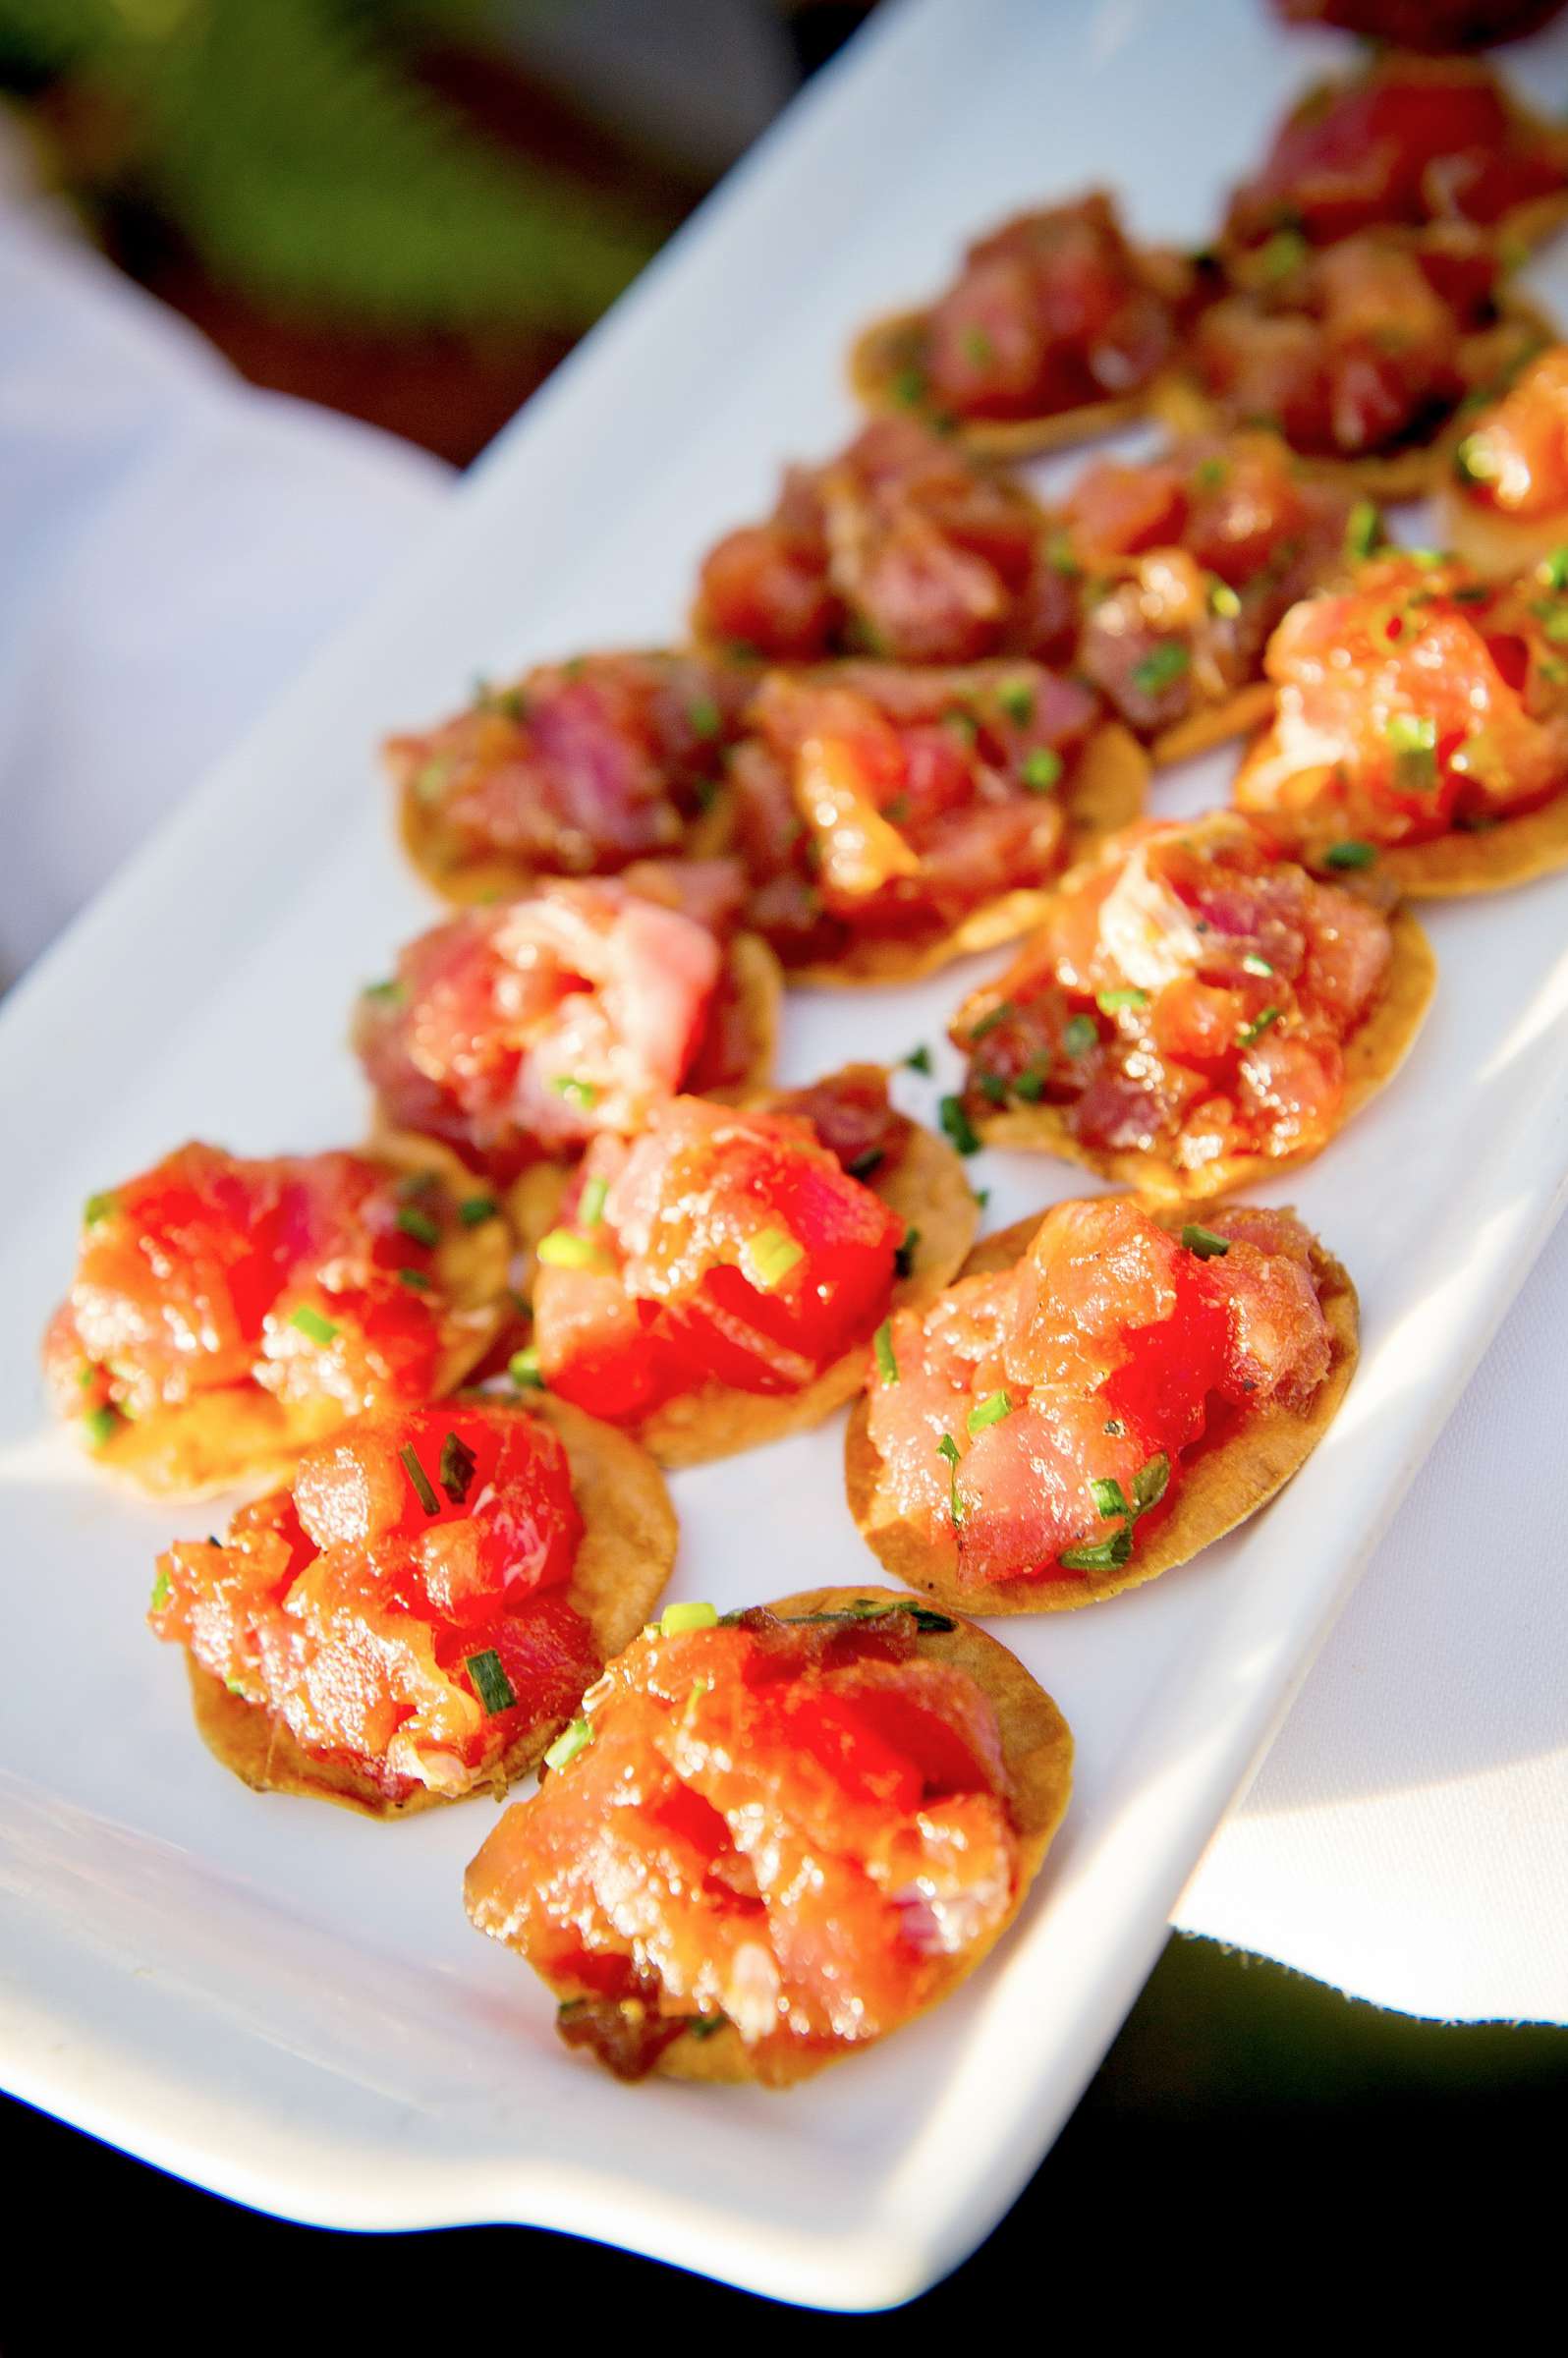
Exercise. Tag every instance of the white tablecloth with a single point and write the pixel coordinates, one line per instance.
(172, 544)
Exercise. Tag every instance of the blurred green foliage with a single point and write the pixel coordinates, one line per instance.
(293, 149)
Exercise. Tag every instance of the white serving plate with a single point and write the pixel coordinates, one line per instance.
(287, 2004)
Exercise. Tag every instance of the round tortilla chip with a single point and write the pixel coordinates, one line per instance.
(1497, 546)
(1374, 1053)
(241, 1435)
(930, 1186)
(621, 1564)
(1485, 858)
(1107, 788)
(1038, 1748)
(882, 353)
(1223, 1483)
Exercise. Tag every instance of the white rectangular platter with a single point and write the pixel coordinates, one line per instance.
(287, 2004)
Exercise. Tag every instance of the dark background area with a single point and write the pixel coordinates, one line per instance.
(409, 209)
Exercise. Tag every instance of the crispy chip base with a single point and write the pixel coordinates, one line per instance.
(1037, 1749)
(930, 1186)
(1106, 789)
(627, 1551)
(1372, 1055)
(1251, 707)
(1223, 1484)
(881, 352)
(243, 1435)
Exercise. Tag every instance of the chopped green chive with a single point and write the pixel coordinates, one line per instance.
(1162, 665)
(160, 1593)
(580, 1093)
(1042, 771)
(1080, 1036)
(1017, 700)
(977, 347)
(1363, 528)
(490, 1682)
(1104, 1555)
(523, 1368)
(904, 1258)
(1030, 1085)
(561, 1248)
(100, 1424)
(312, 1325)
(1222, 600)
(1553, 570)
(696, 1615)
(1472, 462)
(1109, 1496)
(861, 1166)
(991, 1087)
(455, 1473)
(1352, 853)
(963, 723)
(947, 1447)
(771, 1256)
(990, 1018)
(386, 994)
(1203, 1242)
(431, 779)
(1209, 474)
(568, 1744)
(418, 1224)
(703, 716)
(98, 1207)
(1413, 739)
(908, 387)
(591, 1206)
(1428, 559)
(1554, 625)
(705, 2026)
(919, 1060)
(958, 1126)
(1151, 1484)
(474, 1209)
(1248, 1032)
(1283, 253)
(1110, 1001)
(990, 1411)
(882, 1346)
(1060, 555)
(423, 1487)
(415, 1279)
(1252, 964)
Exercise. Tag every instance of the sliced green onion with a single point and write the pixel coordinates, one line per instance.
(882, 1345)
(1209, 474)
(991, 1087)
(431, 779)
(919, 1060)
(580, 1093)
(866, 1608)
(1042, 771)
(1553, 570)
(474, 1209)
(1248, 1032)
(990, 1018)
(1060, 554)
(1413, 737)
(455, 1473)
(1030, 1085)
(1203, 1242)
(418, 1224)
(98, 1207)
(1109, 1496)
(1151, 1484)
(100, 1424)
(1103, 1555)
(861, 1166)
(904, 1256)
(415, 1279)
(1352, 853)
(590, 1204)
(523, 1368)
(1160, 666)
(160, 1592)
(1080, 1036)
(1222, 600)
(771, 1256)
(490, 1682)
(569, 1743)
(947, 1447)
(1109, 1001)
(958, 1126)
(990, 1411)
(1363, 528)
(1252, 964)
(696, 1615)
(386, 994)
(1016, 700)
(964, 723)
(313, 1325)
(908, 387)
(1473, 463)
(703, 718)
(1283, 253)
(422, 1488)
(705, 2026)
(561, 1248)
